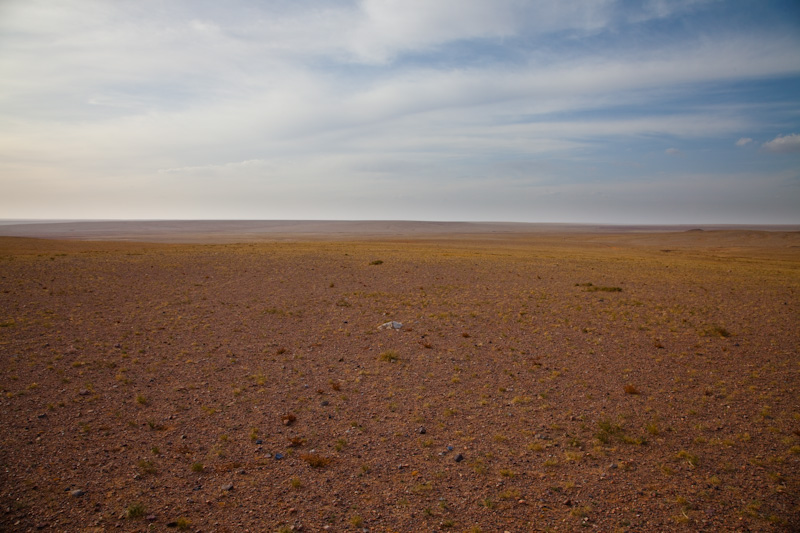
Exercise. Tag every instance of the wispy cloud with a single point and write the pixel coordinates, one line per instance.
(338, 96)
(784, 144)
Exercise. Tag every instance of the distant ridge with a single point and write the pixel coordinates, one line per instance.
(267, 230)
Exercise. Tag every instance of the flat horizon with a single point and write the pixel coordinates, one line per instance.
(229, 231)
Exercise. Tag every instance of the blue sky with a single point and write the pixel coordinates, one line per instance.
(684, 111)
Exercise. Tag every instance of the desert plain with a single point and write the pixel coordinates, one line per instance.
(549, 380)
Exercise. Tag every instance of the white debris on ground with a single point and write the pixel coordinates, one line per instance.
(391, 325)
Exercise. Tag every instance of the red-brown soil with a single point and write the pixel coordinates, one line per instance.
(638, 382)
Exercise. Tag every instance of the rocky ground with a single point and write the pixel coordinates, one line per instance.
(537, 384)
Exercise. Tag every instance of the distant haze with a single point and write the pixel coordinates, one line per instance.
(609, 112)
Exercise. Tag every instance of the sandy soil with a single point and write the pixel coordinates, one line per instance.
(551, 381)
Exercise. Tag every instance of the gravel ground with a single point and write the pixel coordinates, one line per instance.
(562, 383)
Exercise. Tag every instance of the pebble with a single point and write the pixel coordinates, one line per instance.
(459, 458)
(449, 448)
(422, 430)
(259, 441)
(278, 456)
(227, 486)
(77, 492)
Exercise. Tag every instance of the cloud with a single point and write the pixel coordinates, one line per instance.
(336, 96)
(784, 144)
(672, 151)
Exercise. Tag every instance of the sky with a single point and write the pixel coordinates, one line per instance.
(599, 111)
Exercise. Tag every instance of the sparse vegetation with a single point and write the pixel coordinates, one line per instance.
(690, 459)
(315, 460)
(511, 398)
(390, 356)
(135, 510)
(589, 287)
(147, 467)
(716, 331)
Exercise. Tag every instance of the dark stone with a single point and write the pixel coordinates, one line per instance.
(459, 458)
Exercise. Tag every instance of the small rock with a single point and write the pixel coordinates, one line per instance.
(172, 524)
(391, 325)
(325, 403)
(259, 441)
(150, 518)
(422, 430)
(77, 493)
(449, 448)
(568, 502)
(227, 486)
(43, 415)
(278, 456)
(459, 458)
(83, 392)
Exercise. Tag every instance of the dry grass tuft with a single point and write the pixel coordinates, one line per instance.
(316, 460)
